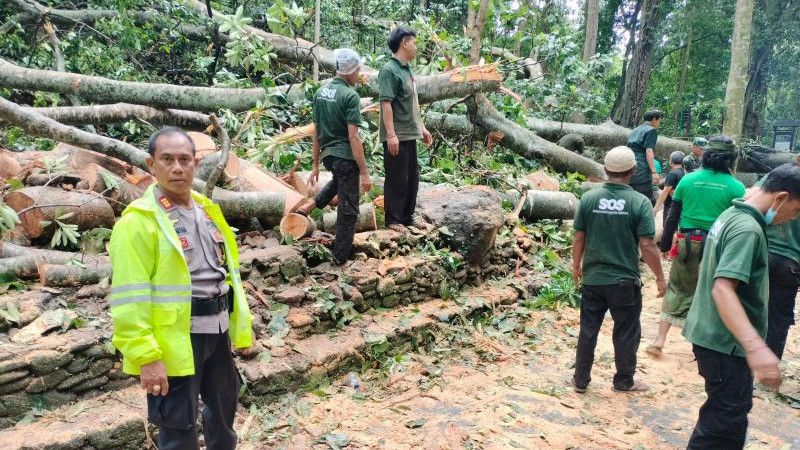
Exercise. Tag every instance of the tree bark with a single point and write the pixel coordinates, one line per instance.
(592, 17)
(546, 205)
(737, 76)
(23, 262)
(685, 69)
(631, 25)
(475, 29)
(637, 76)
(123, 112)
(365, 222)
(39, 203)
(63, 275)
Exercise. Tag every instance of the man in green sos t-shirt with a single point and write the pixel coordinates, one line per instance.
(784, 278)
(613, 222)
(337, 116)
(727, 322)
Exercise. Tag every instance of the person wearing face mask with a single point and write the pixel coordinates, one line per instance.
(784, 278)
(727, 322)
(699, 198)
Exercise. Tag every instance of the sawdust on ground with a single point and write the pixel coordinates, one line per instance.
(497, 395)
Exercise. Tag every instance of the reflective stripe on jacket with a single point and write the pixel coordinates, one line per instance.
(151, 288)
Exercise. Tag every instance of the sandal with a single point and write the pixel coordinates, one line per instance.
(635, 387)
(654, 350)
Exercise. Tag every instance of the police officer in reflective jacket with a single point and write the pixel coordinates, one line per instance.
(177, 301)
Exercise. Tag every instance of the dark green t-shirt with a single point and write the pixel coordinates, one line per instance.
(784, 239)
(736, 248)
(641, 138)
(614, 217)
(704, 194)
(335, 106)
(396, 84)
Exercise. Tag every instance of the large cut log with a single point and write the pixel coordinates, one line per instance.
(23, 262)
(120, 195)
(64, 275)
(546, 204)
(366, 220)
(9, 167)
(39, 203)
(759, 159)
(604, 136)
(123, 112)
(297, 226)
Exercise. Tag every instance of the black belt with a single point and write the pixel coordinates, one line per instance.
(689, 232)
(210, 306)
(629, 283)
(694, 231)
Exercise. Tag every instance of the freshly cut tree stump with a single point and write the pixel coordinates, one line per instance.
(202, 142)
(120, 196)
(39, 203)
(9, 167)
(63, 275)
(297, 226)
(366, 220)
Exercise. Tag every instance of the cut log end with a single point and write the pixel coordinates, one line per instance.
(297, 226)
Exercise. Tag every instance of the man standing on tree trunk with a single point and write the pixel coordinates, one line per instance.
(400, 128)
(642, 140)
(337, 116)
(177, 301)
(699, 199)
(727, 322)
(612, 224)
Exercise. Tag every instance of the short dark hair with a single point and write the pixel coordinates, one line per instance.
(676, 157)
(397, 36)
(620, 174)
(653, 114)
(784, 178)
(167, 131)
(718, 161)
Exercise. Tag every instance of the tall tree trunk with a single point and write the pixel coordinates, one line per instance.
(770, 21)
(592, 17)
(476, 22)
(317, 14)
(737, 76)
(632, 26)
(637, 76)
(685, 68)
(606, 29)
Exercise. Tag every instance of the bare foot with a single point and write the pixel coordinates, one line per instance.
(654, 350)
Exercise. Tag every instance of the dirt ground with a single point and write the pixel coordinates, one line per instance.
(487, 389)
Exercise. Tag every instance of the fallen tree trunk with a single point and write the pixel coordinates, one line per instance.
(23, 262)
(266, 206)
(43, 203)
(546, 204)
(604, 136)
(514, 137)
(63, 275)
(122, 112)
(366, 220)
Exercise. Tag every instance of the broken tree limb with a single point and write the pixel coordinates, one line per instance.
(38, 125)
(66, 275)
(266, 206)
(604, 137)
(366, 220)
(44, 203)
(23, 262)
(546, 204)
(122, 112)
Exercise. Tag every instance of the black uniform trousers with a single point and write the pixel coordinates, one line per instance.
(722, 423)
(401, 183)
(624, 300)
(784, 277)
(216, 381)
(345, 184)
(645, 189)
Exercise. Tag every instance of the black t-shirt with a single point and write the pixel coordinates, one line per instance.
(673, 177)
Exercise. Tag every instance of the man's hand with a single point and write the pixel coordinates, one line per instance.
(427, 138)
(577, 274)
(393, 144)
(314, 177)
(764, 365)
(153, 378)
(661, 284)
(366, 183)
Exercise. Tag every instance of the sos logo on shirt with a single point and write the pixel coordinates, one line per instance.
(610, 204)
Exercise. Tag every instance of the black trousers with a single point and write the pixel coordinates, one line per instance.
(646, 190)
(722, 423)
(784, 277)
(625, 304)
(401, 183)
(345, 184)
(216, 381)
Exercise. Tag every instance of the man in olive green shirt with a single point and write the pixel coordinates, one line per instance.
(693, 160)
(699, 199)
(613, 222)
(727, 322)
(400, 128)
(642, 140)
(337, 117)
(784, 278)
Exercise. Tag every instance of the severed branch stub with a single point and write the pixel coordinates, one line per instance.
(225, 149)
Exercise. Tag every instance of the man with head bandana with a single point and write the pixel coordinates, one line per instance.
(699, 199)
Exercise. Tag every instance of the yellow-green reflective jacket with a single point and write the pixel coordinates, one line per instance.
(151, 288)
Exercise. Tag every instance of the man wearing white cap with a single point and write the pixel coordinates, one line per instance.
(337, 116)
(612, 223)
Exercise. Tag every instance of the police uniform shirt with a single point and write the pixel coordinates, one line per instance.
(202, 247)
